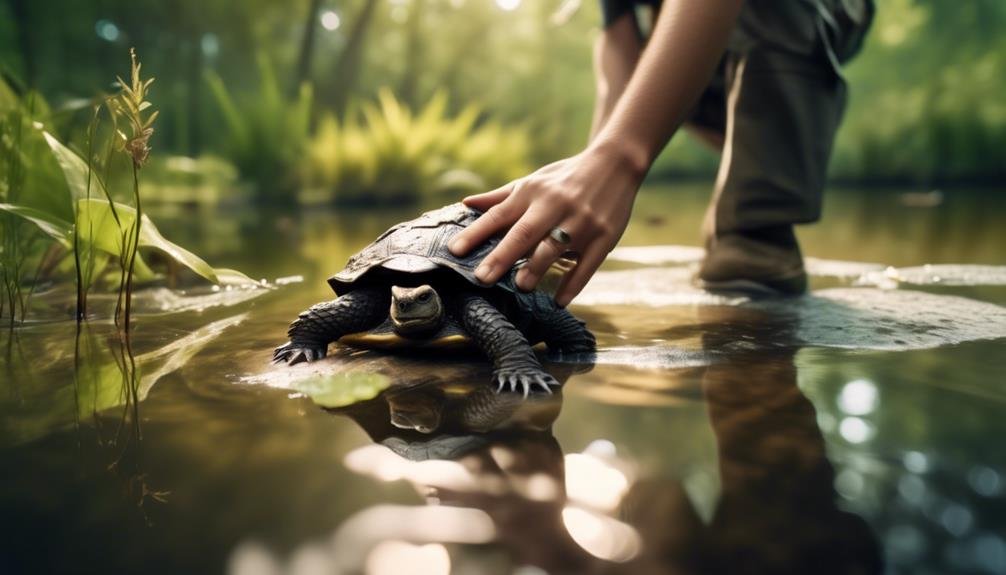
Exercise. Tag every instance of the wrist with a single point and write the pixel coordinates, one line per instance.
(628, 156)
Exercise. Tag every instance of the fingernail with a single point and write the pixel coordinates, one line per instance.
(484, 272)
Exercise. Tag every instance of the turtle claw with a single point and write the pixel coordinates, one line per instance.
(524, 381)
(293, 353)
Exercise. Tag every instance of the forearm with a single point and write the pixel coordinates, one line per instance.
(687, 43)
(616, 54)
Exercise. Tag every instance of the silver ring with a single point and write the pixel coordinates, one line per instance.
(560, 236)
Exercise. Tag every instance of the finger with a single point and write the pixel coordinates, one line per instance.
(523, 235)
(484, 201)
(585, 268)
(545, 254)
(496, 219)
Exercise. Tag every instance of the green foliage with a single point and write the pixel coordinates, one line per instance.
(107, 232)
(923, 94)
(924, 102)
(50, 192)
(386, 154)
(28, 181)
(265, 131)
(206, 179)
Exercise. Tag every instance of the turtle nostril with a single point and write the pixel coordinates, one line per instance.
(403, 306)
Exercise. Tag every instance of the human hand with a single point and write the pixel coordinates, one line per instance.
(589, 196)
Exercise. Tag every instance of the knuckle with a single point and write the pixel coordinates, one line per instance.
(562, 199)
(496, 215)
(521, 233)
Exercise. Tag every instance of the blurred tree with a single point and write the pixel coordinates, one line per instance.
(306, 47)
(343, 81)
(932, 70)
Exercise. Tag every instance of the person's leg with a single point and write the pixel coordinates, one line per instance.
(782, 114)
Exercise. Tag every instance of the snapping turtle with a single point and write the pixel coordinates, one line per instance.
(406, 290)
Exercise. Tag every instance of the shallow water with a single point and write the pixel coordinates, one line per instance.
(853, 428)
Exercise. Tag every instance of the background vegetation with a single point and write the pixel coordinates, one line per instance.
(314, 97)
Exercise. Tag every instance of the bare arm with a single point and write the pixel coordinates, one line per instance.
(616, 54)
(590, 195)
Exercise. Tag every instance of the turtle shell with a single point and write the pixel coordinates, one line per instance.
(419, 246)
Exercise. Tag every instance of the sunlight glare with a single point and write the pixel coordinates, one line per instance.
(330, 20)
(394, 557)
(859, 397)
(508, 5)
(856, 430)
(106, 30)
(593, 482)
(385, 465)
(601, 536)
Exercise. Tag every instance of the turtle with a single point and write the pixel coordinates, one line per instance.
(406, 290)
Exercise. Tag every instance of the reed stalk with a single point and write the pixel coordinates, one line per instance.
(129, 105)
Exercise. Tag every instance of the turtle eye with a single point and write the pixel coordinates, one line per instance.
(425, 297)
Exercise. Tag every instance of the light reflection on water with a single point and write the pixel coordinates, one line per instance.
(704, 428)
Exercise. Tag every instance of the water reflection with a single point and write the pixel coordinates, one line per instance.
(777, 510)
(465, 448)
(101, 402)
(490, 471)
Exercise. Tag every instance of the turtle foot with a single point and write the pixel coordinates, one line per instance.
(524, 379)
(292, 353)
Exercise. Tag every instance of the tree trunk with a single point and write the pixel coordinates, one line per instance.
(22, 27)
(347, 68)
(306, 48)
(408, 90)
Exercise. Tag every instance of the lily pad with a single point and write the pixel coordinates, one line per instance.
(342, 389)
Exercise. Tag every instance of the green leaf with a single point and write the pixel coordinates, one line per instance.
(73, 166)
(55, 227)
(227, 276)
(107, 234)
(342, 389)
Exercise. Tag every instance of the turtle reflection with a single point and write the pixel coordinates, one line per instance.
(505, 461)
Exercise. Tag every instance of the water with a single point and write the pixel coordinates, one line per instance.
(857, 426)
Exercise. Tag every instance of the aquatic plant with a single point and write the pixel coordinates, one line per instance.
(129, 106)
(22, 256)
(77, 208)
(383, 152)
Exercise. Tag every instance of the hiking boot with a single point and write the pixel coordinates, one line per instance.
(765, 262)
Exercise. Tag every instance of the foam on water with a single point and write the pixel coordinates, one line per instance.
(650, 287)
(879, 319)
(864, 273)
(850, 317)
(840, 269)
(937, 274)
(642, 357)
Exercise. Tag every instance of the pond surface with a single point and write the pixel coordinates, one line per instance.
(855, 430)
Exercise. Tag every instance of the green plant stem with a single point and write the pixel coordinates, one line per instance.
(135, 247)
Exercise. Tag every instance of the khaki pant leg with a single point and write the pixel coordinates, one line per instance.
(782, 115)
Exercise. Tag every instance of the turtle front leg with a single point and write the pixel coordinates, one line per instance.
(515, 365)
(564, 333)
(326, 322)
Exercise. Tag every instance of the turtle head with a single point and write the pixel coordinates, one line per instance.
(416, 310)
